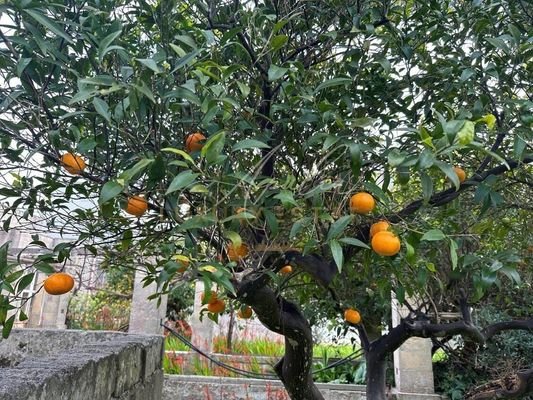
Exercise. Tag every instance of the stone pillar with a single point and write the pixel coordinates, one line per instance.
(145, 316)
(202, 331)
(413, 368)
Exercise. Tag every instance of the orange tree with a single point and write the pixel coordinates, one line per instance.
(302, 105)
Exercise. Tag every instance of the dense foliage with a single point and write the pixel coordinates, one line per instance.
(303, 104)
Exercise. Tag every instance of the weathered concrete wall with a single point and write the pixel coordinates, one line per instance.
(186, 387)
(40, 364)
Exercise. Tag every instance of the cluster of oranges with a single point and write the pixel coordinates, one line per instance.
(383, 241)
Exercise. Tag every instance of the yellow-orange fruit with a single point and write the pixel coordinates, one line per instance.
(183, 262)
(59, 283)
(379, 227)
(194, 142)
(461, 174)
(213, 298)
(362, 203)
(136, 205)
(73, 163)
(245, 312)
(386, 243)
(216, 307)
(352, 316)
(236, 253)
(286, 270)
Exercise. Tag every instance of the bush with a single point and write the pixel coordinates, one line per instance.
(467, 366)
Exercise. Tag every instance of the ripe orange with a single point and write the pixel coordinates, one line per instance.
(73, 163)
(137, 206)
(362, 203)
(245, 312)
(216, 307)
(194, 142)
(386, 243)
(236, 253)
(379, 227)
(59, 283)
(286, 270)
(352, 316)
(461, 174)
(213, 298)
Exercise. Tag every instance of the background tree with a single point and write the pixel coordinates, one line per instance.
(302, 104)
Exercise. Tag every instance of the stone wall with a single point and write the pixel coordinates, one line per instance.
(38, 364)
(185, 387)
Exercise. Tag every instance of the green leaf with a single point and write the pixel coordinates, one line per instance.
(426, 159)
(102, 108)
(234, 237)
(355, 159)
(198, 222)
(272, 221)
(426, 138)
(8, 325)
(110, 190)
(286, 197)
(44, 267)
(149, 63)
(339, 226)
(275, 72)
(466, 74)
(332, 83)
(143, 89)
(104, 45)
(86, 145)
(376, 191)
(298, 226)
(3, 258)
(139, 167)
(511, 273)
(449, 172)
(278, 42)
(519, 146)
(21, 65)
(433, 235)
(213, 147)
(24, 282)
(453, 253)
(249, 144)
(396, 157)
(180, 152)
(354, 242)
(49, 24)
(427, 186)
(466, 134)
(181, 181)
(336, 251)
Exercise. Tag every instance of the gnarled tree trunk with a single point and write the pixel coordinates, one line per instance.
(284, 317)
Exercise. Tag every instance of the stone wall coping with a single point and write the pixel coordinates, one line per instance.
(252, 381)
(331, 387)
(79, 365)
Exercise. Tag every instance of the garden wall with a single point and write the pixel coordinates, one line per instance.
(186, 387)
(38, 364)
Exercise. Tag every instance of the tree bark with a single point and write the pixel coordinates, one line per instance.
(285, 318)
(376, 373)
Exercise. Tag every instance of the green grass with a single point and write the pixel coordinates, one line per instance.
(262, 347)
(174, 344)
